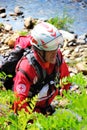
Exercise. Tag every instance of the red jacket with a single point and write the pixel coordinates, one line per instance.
(22, 85)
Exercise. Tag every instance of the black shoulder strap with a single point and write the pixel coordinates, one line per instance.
(59, 59)
(22, 71)
(58, 64)
(40, 72)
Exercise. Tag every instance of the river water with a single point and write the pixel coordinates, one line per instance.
(44, 9)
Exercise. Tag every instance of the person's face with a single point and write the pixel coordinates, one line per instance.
(50, 56)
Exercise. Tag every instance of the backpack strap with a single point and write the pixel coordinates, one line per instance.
(57, 66)
(22, 71)
(40, 72)
(59, 59)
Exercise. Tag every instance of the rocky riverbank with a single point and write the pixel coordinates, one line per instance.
(74, 49)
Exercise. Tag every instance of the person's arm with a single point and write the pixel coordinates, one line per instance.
(21, 89)
(22, 85)
(64, 72)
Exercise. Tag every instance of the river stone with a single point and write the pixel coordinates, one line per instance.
(3, 15)
(82, 67)
(2, 10)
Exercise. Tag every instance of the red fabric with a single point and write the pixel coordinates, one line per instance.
(22, 84)
(23, 41)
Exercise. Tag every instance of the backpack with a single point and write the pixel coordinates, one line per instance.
(8, 65)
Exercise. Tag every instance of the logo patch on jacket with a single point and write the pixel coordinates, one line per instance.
(21, 88)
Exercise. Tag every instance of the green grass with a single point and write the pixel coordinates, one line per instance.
(63, 22)
(73, 116)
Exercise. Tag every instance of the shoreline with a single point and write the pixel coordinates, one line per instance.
(14, 14)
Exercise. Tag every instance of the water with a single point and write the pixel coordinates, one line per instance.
(44, 9)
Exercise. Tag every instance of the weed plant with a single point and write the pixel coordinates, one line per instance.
(72, 116)
(62, 22)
